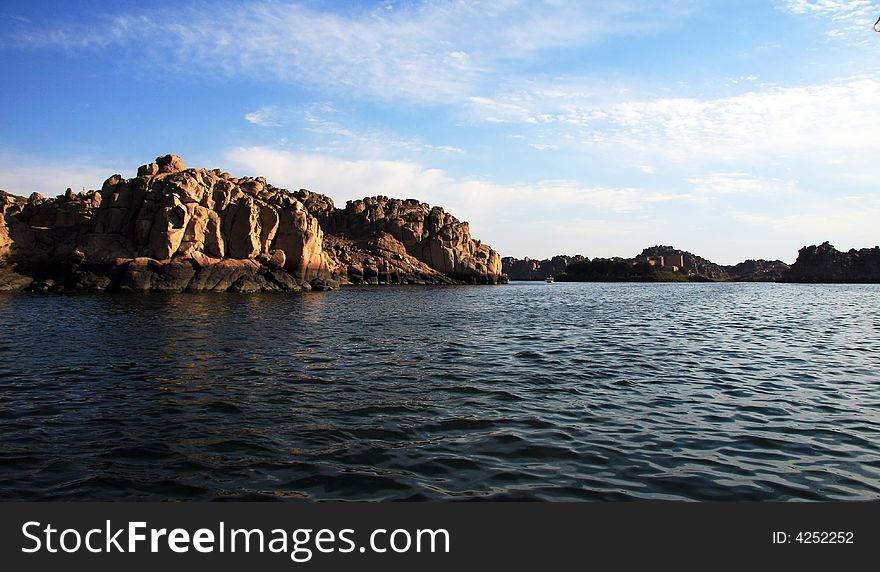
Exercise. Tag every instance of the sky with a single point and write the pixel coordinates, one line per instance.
(731, 129)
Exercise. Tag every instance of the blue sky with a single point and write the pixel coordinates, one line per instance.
(733, 129)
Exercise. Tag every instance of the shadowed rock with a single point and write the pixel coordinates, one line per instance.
(530, 269)
(824, 263)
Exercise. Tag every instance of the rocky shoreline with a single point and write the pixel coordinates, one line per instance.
(826, 264)
(172, 228)
(814, 264)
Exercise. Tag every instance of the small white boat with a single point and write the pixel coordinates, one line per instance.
(549, 280)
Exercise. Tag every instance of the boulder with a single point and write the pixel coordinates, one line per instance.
(168, 228)
(301, 238)
(222, 275)
(148, 170)
(284, 280)
(170, 164)
(10, 280)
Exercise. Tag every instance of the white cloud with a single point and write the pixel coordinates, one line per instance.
(264, 117)
(370, 143)
(833, 124)
(344, 179)
(445, 148)
(845, 19)
(332, 135)
(844, 224)
(22, 175)
(714, 185)
(424, 51)
(827, 122)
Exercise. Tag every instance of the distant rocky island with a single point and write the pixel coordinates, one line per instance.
(172, 228)
(817, 264)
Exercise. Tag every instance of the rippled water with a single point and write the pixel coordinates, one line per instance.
(526, 391)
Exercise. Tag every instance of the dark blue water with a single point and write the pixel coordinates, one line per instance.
(526, 391)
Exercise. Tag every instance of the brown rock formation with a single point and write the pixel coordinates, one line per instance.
(8, 205)
(174, 228)
(406, 239)
(826, 264)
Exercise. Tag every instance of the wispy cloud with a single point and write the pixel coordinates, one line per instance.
(832, 123)
(424, 51)
(263, 117)
(714, 185)
(23, 174)
(845, 19)
(333, 135)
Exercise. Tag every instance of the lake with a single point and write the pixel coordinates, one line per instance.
(526, 391)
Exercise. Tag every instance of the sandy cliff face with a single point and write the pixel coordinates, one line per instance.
(174, 228)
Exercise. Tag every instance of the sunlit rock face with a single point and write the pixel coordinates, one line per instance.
(176, 228)
(407, 240)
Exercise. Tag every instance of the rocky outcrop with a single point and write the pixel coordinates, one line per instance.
(693, 264)
(757, 271)
(528, 269)
(9, 206)
(674, 260)
(172, 228)
(668, 263)
(404, 241)
(826, 264)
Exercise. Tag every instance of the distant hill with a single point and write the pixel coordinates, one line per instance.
(757, 271)
(656, 263)
(619, 270)
(693, 264)
(822, 263)
(529, 269)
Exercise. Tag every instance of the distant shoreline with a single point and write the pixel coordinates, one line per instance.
(822, 264)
